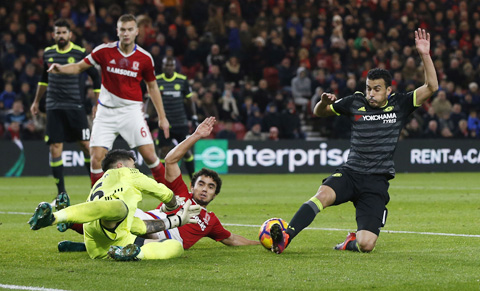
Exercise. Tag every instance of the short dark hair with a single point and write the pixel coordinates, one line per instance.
(127, 18)
(114, 156)
(377, 73)
(62, 23)
(169, 58)
(208, 173)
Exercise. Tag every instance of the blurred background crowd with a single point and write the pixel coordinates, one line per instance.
(260, 66)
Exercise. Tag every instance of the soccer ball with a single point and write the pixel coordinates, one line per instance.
(264, 232)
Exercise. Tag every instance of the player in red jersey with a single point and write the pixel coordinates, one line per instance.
(205, 186)
(124, 65)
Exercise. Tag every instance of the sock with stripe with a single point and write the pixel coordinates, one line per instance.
(57, 170)
(158, 171)
(303, 217)
(86, 163)
(95, 174)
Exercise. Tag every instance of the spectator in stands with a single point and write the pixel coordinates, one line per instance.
(272, 118)
(301, 88)
(228, 104)
(215, 76)
(209, 106)
(262, 96)
(7, 97)
(412, 130)
(15, 120)
(462, 130)
(285, 74)
(273, 133)
(254, 118)
(456, 115)
(291, 125)
(255, 133)
(227, 132)
(432, 130)
(233, 71)
(215, 57)
(474, 124)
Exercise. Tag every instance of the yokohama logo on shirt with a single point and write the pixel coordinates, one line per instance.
(121, 73)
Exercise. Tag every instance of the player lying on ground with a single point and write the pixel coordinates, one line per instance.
(205, 186)
(109, 211)
(377, 118)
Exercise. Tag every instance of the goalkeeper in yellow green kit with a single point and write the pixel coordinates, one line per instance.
(108, 214)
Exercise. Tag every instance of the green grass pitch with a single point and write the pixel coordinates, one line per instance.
(431, 241)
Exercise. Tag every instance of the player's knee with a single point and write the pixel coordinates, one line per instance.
(326, 195)
(366, 242)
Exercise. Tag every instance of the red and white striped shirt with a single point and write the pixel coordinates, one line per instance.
(121, 73)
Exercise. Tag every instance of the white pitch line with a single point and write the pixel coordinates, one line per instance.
(21, 213)
(433, 187)
(17, 287)
(330, 229)
(384, 231)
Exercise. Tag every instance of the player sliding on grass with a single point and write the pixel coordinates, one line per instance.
(377, 119)
(205, 186)
(109, 211)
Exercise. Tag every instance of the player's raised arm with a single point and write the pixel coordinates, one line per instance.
(422, 43)
(158, 103)
(69, 69)
(322, 109)
(172, 170)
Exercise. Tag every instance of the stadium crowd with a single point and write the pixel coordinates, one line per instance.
(260, 66)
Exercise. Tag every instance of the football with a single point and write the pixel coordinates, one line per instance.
(264, 232)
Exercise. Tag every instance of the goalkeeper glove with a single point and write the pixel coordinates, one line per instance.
(179, 200)
(183, 216)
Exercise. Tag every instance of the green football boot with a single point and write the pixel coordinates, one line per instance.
(62, 201)
(42, 217)
(126, 253)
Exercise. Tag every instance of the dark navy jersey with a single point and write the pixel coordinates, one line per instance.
(174, 90)
(375, 131)
(66, 91)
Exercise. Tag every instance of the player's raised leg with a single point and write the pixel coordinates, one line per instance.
(111, 211)
(302, 218)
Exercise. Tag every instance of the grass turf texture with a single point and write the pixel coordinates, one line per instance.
(432, 203)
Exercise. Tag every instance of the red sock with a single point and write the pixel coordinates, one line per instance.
(78, 227)
(158, 173)
(94, 177)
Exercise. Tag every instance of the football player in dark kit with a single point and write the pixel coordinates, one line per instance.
(66, 115)
(377, 119)
(176, 96)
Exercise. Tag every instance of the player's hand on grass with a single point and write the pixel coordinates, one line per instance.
(185, 215)
(205, 128)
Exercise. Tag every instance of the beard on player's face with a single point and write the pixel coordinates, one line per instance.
(62, 43)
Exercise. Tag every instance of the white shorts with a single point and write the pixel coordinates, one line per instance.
(128, 121)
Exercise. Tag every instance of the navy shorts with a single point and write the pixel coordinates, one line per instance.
(179, 133)
(368, 192)
(66, 125)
